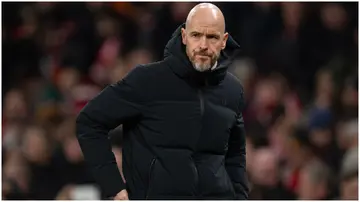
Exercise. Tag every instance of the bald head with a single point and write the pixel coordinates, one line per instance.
(204, 36)
(206, 13)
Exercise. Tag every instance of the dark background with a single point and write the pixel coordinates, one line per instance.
(299, 68)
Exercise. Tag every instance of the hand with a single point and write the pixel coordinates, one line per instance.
(122, 195)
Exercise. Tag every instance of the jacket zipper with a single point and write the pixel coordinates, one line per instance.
(150, 174)
(201, 98)
(201, 102)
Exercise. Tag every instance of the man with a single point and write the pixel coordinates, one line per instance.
(265, 177)
(182, 123)
(349, 175)
(315, 181)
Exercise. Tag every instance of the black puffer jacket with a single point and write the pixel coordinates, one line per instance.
(183, 130)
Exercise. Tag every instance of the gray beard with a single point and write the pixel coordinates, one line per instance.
(201, 68)
(204, 67)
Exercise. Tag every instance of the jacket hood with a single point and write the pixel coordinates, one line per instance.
(176, 48)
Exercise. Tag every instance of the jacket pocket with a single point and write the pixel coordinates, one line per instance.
(151, 176)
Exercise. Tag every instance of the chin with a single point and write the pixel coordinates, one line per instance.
(202, 68)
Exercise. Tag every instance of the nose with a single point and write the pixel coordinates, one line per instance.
(203, 43)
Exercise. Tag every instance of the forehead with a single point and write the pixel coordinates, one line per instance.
(205, 25)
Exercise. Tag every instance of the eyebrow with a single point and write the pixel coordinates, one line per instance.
(208, 35)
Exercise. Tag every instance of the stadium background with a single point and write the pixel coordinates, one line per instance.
(298, 66)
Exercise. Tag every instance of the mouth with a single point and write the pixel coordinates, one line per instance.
(203, 56)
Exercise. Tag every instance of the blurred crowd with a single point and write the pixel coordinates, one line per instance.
(298, 66)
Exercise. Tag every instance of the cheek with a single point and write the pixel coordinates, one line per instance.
(216, 48)
(190, 51)
(192, 47)
(220, 46)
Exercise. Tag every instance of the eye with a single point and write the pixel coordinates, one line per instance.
(195, 34)
(212, 36)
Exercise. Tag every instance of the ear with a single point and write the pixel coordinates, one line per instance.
(183, 36)
(226, 35)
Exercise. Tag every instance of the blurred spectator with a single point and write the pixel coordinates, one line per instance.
(349, 99)
(322, 137)
(15, 113)
(298, 66)
(15, 177)
(37, 151)
(347, 134)
(265, 176)
(349, 176)
(314, 181)
(299, 151)
(15, 108)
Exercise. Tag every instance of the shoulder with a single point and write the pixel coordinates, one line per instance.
(235, 89)
(154, 66)
(143, 72)
(233, 84)
(145, 79)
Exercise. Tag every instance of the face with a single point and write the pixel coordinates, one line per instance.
(72, 150)
(308, 189)
(265, 169)
(321, 137)
(35, 145)
(349, 189)
(15, 105)
(204, 41)
(295, 155)
(68, 78)
(325, 83)
(349, 96)
(334, 17)
(16, 169)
